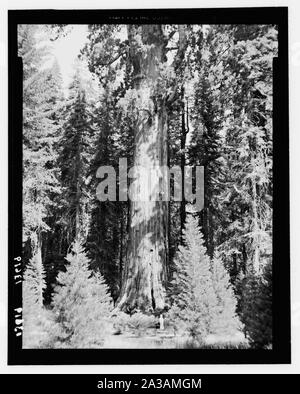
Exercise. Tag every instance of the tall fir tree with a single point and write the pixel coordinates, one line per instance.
(42, 108)
(205, 148)
(255, 307)
(76, 148)
(108, 218)
(193, 296)
(108, 229)
(42, 98)
(81, 302)
(33, 313)
(245, 197)
(226, 321)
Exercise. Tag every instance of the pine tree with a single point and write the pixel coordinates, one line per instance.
(106, 237)
(75, 154)
(74, 145)
(245, 178)
(194, 300)
(34, 280)
(255, 307)
(42, 97)
(225, 320)
(205, 148)
(33, 313)
(231, 137)
(81, 302)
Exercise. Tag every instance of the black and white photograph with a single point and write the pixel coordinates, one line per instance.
(149, 185)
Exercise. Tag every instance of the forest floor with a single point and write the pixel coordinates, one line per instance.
(166, 340)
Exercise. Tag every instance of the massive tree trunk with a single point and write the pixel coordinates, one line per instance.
(184, 131)
(144, 276)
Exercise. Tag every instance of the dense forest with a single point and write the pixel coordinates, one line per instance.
(121, 272)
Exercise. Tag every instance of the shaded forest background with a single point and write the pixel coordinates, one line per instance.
(215, 83)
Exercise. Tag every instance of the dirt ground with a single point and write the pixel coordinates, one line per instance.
(163, 340)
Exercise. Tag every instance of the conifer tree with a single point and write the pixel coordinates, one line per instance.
(108, 227)
(225, 320)
(194, 299)
(33, 314)
(34, 280)
(255, 307)
(75, 147)
(245, 178)
(81, 302)
(104, 238)
(232, 138)
(73, 160)
(205, 147)
(42, 97)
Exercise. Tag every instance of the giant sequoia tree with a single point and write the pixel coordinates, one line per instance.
(145, 270)
(165, 96)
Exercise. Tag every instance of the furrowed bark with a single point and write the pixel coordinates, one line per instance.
(144, 276)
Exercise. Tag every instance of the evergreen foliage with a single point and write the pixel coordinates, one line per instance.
(74, 161)
(81, 302)
(41, 101)
(215, 90)
(202, 295)
(255, 307)
(225, 320)
(34, 280)
(194, 299)
(106, 240)
(34, 319)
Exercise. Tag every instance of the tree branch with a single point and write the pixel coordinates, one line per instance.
(172, 49)
(113, 59)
